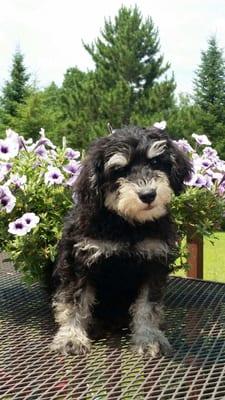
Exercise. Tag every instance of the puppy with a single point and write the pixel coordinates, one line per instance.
(118, 241)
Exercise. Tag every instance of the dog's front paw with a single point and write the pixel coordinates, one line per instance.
(152, 342)
(70, 344)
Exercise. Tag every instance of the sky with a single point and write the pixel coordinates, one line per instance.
(50, 33)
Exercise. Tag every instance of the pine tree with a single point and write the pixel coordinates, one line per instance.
(128, 52)
(127, 85)
(209, 83)
(42, 109)
(80, 104)
(16, 89)
(209, 95)
(128, 49)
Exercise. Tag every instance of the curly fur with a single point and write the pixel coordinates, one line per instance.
(118, 241)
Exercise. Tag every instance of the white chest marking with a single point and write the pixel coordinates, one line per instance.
(90, 250)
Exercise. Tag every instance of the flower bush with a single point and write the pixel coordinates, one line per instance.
(200, 210)
(35, 195)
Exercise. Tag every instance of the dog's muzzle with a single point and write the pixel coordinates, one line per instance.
(147, 196)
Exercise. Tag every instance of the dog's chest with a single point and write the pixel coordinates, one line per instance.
(118, 276)
(92, 251)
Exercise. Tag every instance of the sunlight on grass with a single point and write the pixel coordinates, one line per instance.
(214, 259)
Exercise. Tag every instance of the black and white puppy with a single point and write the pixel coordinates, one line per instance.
(119, 241)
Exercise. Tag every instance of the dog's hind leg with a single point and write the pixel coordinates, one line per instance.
(74, 315)
(145, 326)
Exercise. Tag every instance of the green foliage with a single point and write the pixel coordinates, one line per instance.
(198, 210)
(209, 90)
(40, 109)
(127, 86)
(129, 49)
(207, 123)
(80, 108)
(183, 118)
(16, 89)
(33, 253)
(209, 84)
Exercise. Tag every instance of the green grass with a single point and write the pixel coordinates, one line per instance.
(214, 259)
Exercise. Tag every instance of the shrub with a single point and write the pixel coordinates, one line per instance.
(200, 210)
(35, 195)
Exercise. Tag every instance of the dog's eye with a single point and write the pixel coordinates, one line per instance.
(154, 161)
(117, 172)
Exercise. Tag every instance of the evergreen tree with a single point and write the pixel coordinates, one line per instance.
(128, 49)
(209, 95)
(80, 104)
(16, 89)
(128, 52)
(42, 109)
(209, 84)
(128, 83)
(184, 118)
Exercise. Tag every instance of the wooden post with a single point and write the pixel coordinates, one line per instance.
(195, 258)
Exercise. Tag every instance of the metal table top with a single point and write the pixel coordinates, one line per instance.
(195, 325)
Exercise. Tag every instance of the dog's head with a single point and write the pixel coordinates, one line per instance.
(133, 172)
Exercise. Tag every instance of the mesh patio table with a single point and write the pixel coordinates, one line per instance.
(195, 325)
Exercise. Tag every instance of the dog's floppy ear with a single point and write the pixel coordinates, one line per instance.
(88, 186)
(181, 168)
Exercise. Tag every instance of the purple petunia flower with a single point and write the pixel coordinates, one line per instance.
(196, 162)
(210, 152)
(18, 227)
(200, 181)
(206, 163)
(17, 180)
(72, 154)
(7, 200)
(222, 188)
(73, 167)
(44, 141)
(184, 145)
(30, 220)
(23, 225)
(53, 154)
(220, 165)
(201, 139)
(4, 169)
(9, 147)
(41, 151)
(216, 176)
(53, 176)
(71, 181)
(209, 182)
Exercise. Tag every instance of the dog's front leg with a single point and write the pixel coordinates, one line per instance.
(146, 317)
(74, 315)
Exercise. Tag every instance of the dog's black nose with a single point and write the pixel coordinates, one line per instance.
(148, 197)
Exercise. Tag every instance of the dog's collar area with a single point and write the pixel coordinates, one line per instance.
(93, 249)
